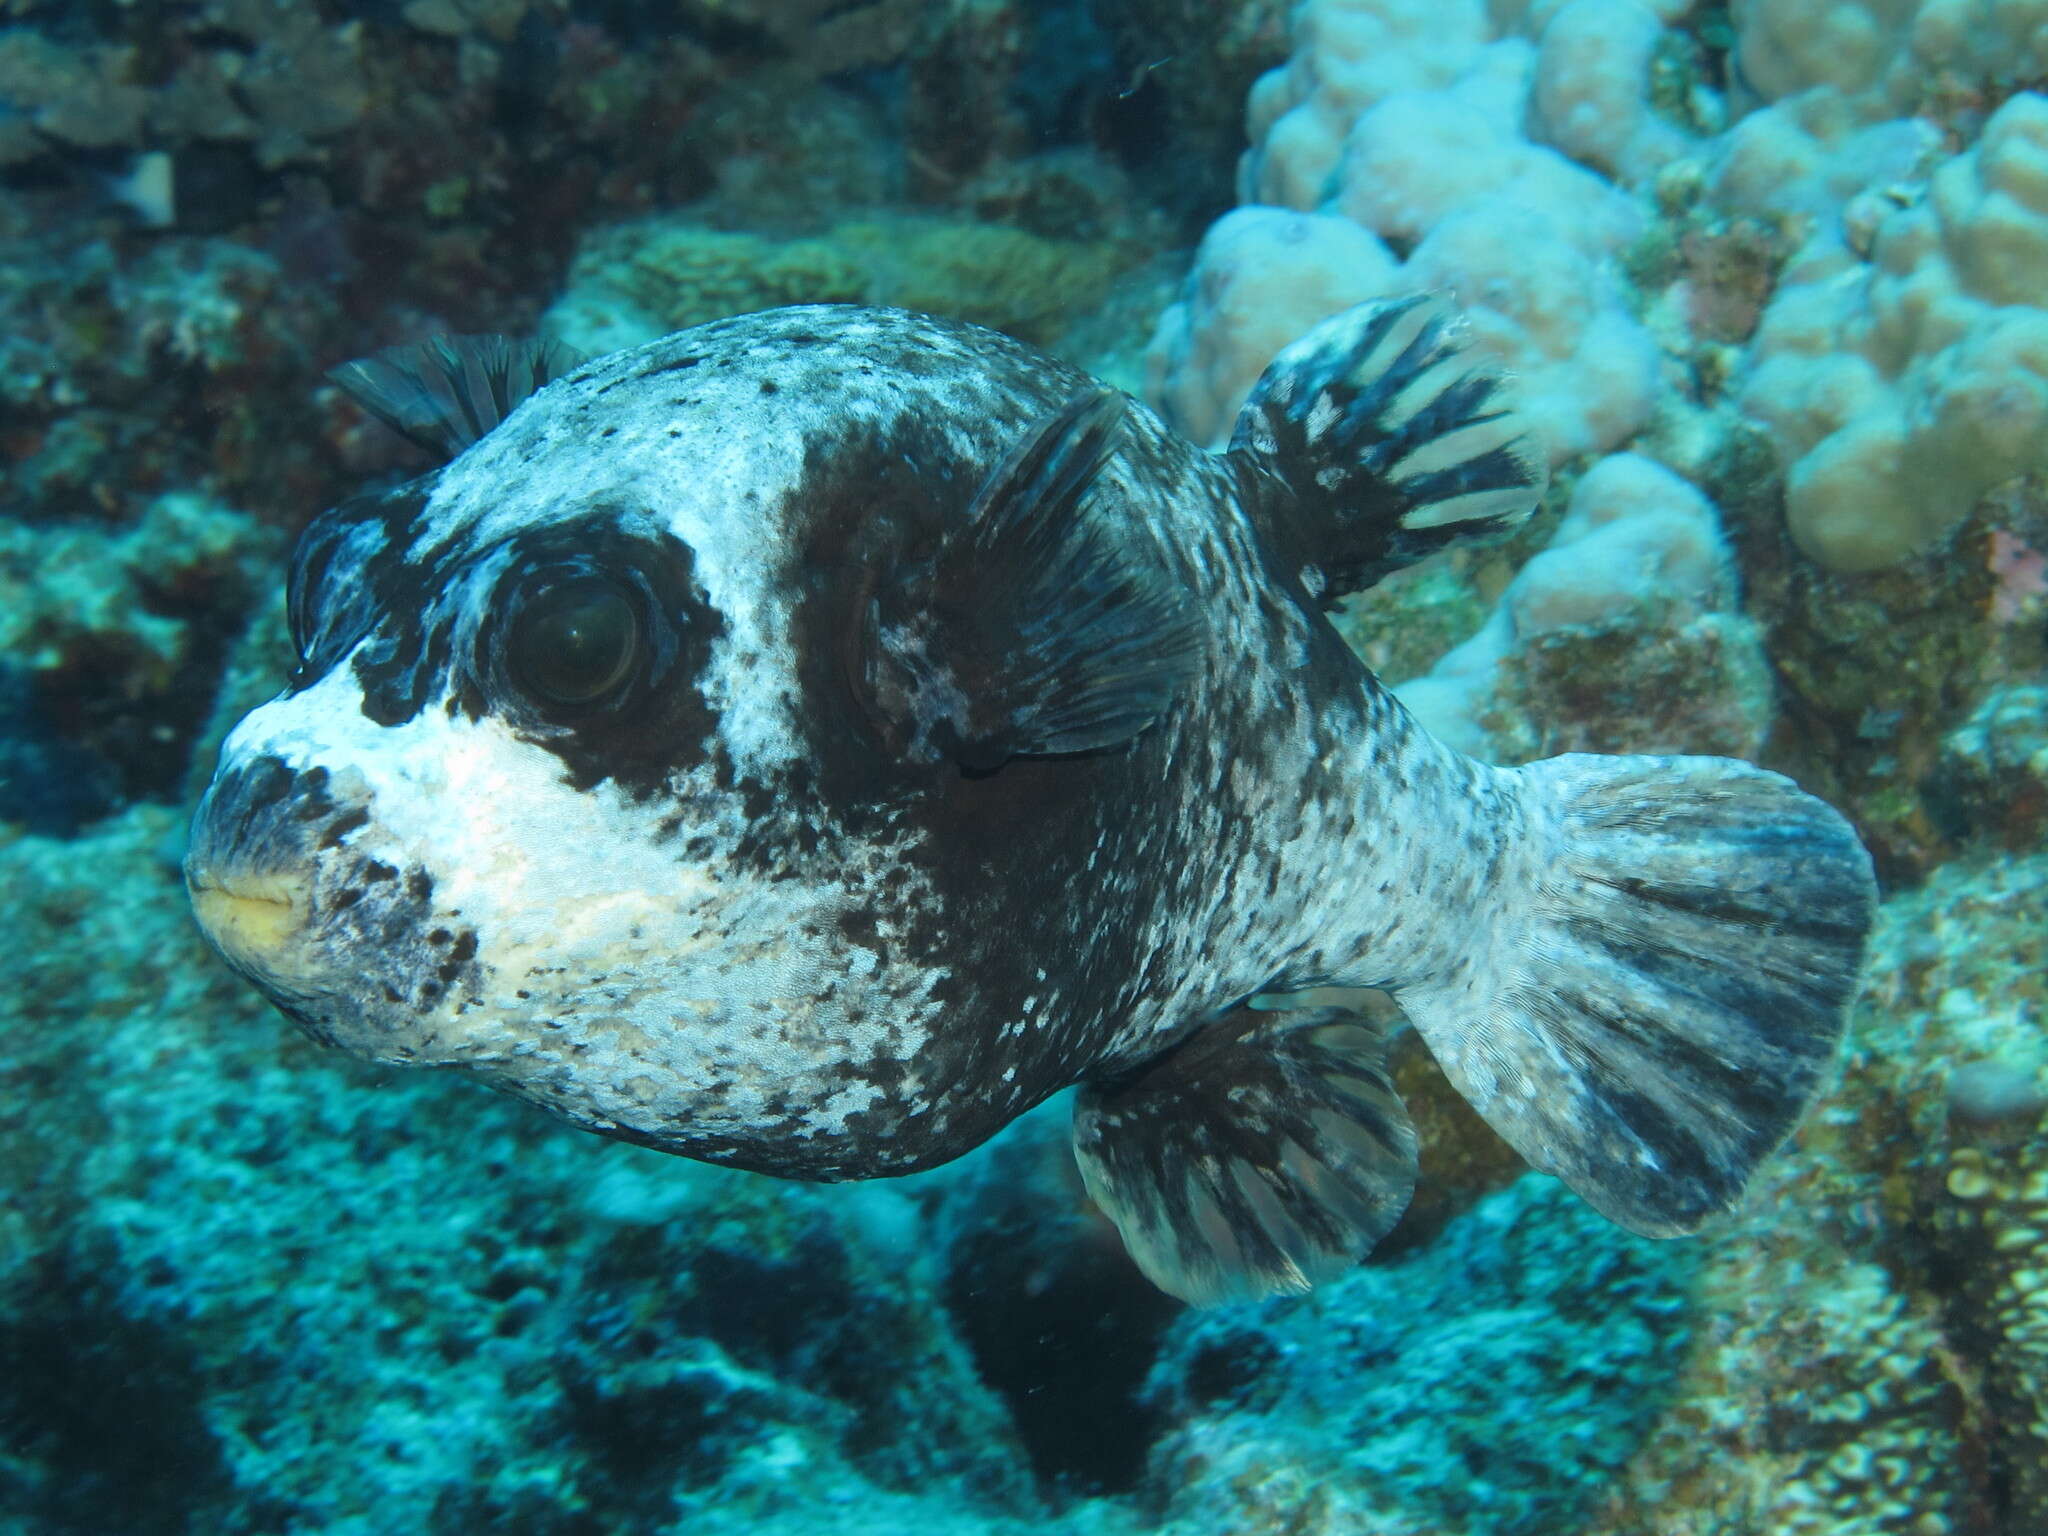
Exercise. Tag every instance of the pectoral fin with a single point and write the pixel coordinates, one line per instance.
(1037, 626)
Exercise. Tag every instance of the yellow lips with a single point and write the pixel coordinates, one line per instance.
(251, 919)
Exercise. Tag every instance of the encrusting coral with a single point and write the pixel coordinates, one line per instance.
(1622, 634)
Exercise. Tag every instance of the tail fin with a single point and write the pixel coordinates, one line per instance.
(1666, 989)
(1380, 437)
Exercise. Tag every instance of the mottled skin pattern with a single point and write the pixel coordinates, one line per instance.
(732, 923)
(820, 884)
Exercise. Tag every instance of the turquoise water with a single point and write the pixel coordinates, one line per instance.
(1768, 280)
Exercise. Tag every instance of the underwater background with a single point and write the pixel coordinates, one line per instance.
(1774, 278)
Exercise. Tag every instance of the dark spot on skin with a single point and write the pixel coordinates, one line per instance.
(344, 899)
(419, 886)
(373, 870)
(440, 936)
(768, 386)
(344, 824)
(468, 701)
(1003, 849)
(609, 432)
(465, 947)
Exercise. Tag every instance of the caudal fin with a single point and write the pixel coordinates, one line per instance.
(1664, 991)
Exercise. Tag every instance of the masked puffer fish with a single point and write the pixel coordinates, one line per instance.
(808, 741)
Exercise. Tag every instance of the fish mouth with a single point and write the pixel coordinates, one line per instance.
(252, 919)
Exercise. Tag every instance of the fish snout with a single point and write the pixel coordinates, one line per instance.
(253, 919)
(251, 863)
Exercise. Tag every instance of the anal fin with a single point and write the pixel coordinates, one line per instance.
(1267, 1153)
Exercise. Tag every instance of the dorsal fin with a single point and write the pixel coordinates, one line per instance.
(1379, 438)
(1033, 629)
(447, 391)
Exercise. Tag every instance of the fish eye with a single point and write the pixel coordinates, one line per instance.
(573, 641)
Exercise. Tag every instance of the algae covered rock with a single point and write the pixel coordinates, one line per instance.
(1490, 1383)
(1993, 771)
(1873, 1358)
(1622, 633)
(114, 638)
(638, 281)
(1873, 672)
(1950, 1067)
(1818, 1398)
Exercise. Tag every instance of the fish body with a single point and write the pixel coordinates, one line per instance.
(808, 741)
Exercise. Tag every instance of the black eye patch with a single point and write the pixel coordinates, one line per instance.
(563, 642)
(341, 575)
(573, 642)
(593, 644)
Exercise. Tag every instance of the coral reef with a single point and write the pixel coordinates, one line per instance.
(1994, 767)
(1906, 374)
(1770, 275)
(1520, 160)
(114, 639)
(1817, 1400)
(131, 370)
(1493, 1381)
(1948, 1142)
(1620, 635)
(1400, 125)
(1875, 671)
